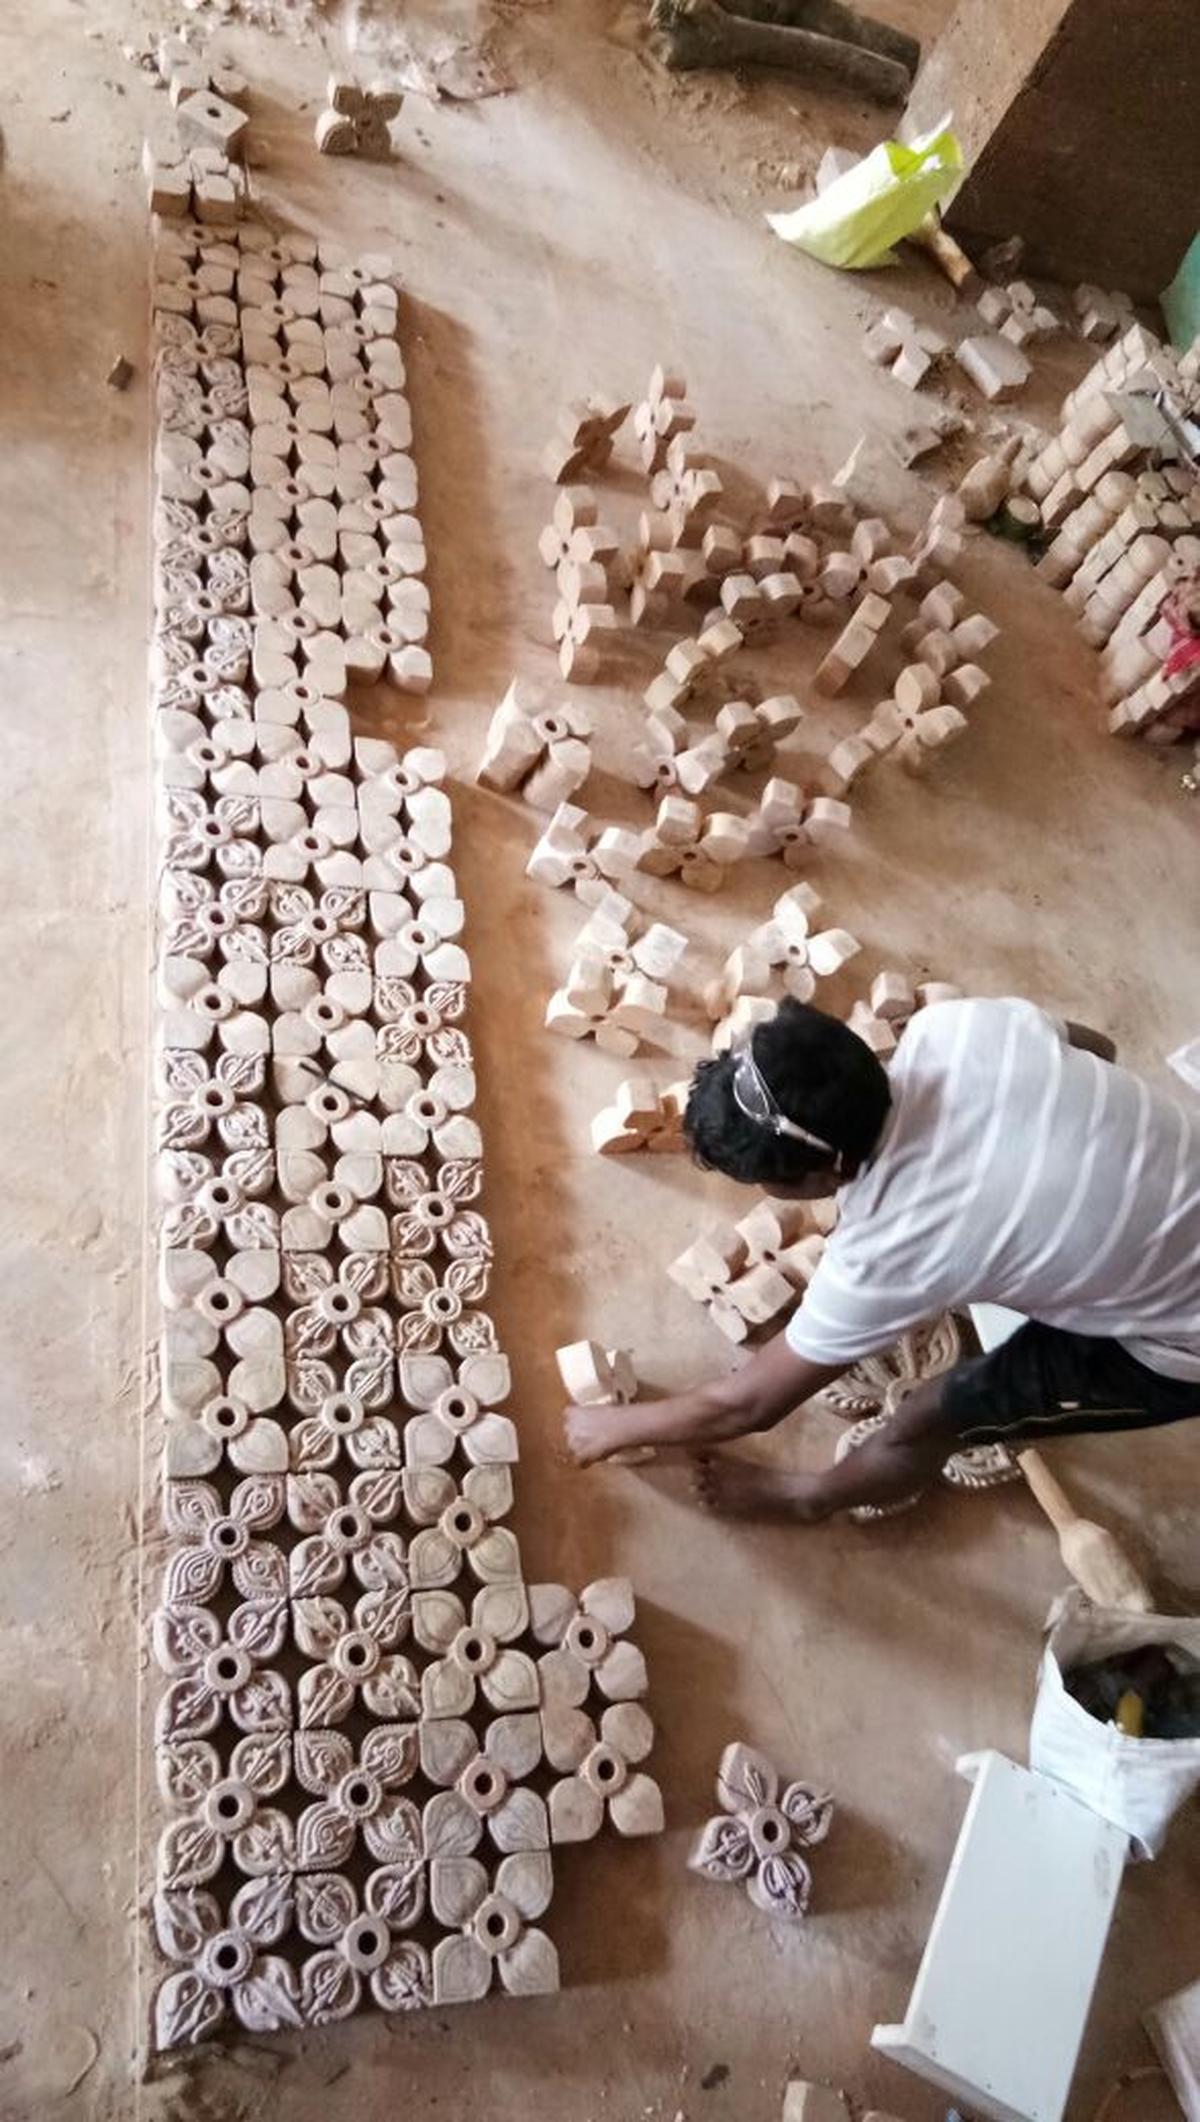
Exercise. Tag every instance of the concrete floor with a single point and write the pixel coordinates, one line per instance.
(555, 241)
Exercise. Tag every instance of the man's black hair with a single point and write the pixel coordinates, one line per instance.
(819, 1073)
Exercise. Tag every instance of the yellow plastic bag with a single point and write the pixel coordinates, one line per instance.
(855, 222)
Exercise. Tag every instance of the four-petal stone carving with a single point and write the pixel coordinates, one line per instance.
(357, 1797)
(757, 1837)
(354, 1654)
(495, 1921)
(224, 1964)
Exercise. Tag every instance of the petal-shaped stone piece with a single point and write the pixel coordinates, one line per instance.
(520, 1822)
(576, 1811)
(451, 1827)
(269, 1998)
(610, 1601)
(325, 1903)
(723, 1850)
(186, 2010)
(530, 1967)
(461, 1971)
(329, 1989)
(810, 1812)
(457, 1886)
(404, 1982)
(781, 1885)
(637, 1808)
(745, 1779)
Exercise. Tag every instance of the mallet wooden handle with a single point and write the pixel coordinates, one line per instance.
(950, 255)
(1049, 1493)
(1093, 1555)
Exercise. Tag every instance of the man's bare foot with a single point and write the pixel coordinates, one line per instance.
(737, 1488)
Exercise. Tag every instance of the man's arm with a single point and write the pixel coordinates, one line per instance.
(756, 1397)
(1090, 1042)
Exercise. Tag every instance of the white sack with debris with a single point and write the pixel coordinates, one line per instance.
(1138, 1784)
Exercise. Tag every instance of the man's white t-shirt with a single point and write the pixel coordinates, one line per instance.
(1015, 1169)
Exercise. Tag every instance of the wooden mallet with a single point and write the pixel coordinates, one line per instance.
(1094, 1556)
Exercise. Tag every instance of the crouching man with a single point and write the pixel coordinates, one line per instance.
(1001, 1157)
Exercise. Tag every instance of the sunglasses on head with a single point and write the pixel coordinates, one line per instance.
(753, 1097)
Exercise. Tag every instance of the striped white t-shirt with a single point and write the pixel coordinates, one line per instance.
(1015, 1169)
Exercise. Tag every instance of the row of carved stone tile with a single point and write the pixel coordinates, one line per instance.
(371, 1731)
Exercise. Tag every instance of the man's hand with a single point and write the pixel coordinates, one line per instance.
(593, 1432)
(756, 1397)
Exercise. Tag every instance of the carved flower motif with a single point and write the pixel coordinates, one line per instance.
(226, 1430)
(225, 1965)
(343, 1423)
(419, 1027)
(465, 1528)
(344, 1533)
(308, 927)
(601, 1773)
(212, 1539)
(196, 833)
(494, 1922)
(426, 1123)
(758, 1836)
(359, 1797)
(436, 1215)
(357, 1655)
(229, 579)
(430, 1309)
(364, 1944)
(228, 1816)
(200, 1097)
(216, 1669)
(204, 1202)
(471, 1654)
(483, 1787)
(589, 1642)
(202, 916)
(334, 1300)
(367, 1379)
(226, 660)
(910, 731)
(339, 1314)
(788, 941)
(457, 1414)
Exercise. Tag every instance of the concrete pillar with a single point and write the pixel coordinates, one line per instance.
(1080, 125)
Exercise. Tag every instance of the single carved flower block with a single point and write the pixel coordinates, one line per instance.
(757, 1837)
(457, 1414)
(492, 1926)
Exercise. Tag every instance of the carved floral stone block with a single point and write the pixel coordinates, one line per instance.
(362, 1940)
(475, 1653)
(461, 1530)
(224, 1962)
(356, 1796)
(493, 1922)
(604, 1778)
(588, 1643)
(482, 1786)
(217, 1670)
(354, 1658)
(457, 1415)
(756, 1838)
(215, 1541)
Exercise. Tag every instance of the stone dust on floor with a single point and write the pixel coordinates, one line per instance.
(555, 240)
